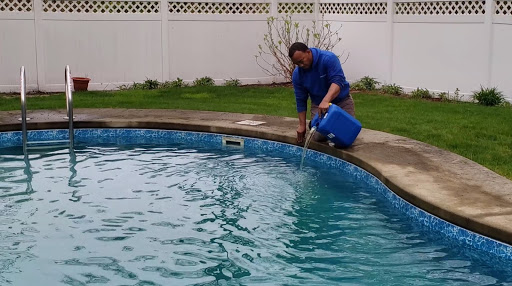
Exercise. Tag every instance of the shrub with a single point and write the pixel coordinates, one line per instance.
(369, 83)
(232, 82)
(204, 81)
(365, 83)
(357, 86)
(392, 89)
(138, 85)
(421, 93)
(134, 86)
(281, 33)
(153, 84)
(456, 95)
(147, 84)
(444, 96)
(150, 84)
(125, 87)
(489, 96)
(447, 96)
(175, 83)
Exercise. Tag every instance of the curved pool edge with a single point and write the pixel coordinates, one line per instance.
(444, 184)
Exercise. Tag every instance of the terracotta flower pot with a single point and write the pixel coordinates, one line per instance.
(80, 83)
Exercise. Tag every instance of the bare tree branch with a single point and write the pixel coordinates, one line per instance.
(282, 33)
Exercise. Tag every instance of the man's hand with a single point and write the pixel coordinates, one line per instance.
(301, 133)
(333, 91)
(323, 107)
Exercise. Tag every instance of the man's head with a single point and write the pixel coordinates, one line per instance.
(301, 55)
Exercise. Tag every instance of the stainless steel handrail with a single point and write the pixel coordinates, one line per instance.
(23, 92)
(69, 105)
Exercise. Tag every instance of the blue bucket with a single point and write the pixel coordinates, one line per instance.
(338, 126)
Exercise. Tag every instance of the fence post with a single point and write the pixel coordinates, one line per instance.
(489, 36)
(316, 10)
(164, 12)
(390, 27)
(38, 13)
(273, 8)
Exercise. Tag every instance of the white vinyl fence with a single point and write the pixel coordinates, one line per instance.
(439, 45)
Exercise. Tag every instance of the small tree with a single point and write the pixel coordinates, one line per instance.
(282, 34)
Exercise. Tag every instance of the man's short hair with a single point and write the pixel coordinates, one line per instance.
(298, 46)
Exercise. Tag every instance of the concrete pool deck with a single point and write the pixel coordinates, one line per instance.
(445, 184)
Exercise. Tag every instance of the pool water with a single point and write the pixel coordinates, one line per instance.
(195, 215)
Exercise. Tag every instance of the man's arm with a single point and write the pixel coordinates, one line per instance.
(301, 95)
(301, 99)
(301, 130)
(333, 91)
(337, 80)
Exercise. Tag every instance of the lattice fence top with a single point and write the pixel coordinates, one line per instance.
(218, 8)
(295, 8)
(440, 8)
(15, 5)
(374, 8)
(101, 7)
(504, 7)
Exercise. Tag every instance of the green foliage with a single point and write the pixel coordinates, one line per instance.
(125, 87)
(369, 83)
(281, 33)
(365, 83)
(444, 96)
(165, 84)
(392, 89)
(232, 82)
(155, 84)
(421, 93)
(204, 81)
(489, 96)
(456, 95)
(138, 86)
(146, 85)
(447, 96)
(172, 84)
(357, 86)
(150, 84)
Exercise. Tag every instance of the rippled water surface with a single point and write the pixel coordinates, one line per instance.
(148, 215)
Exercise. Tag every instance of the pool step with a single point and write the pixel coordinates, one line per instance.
(51, 144)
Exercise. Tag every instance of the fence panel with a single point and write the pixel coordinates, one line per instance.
(435, 44)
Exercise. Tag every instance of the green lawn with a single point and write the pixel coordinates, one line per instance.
(482, 134)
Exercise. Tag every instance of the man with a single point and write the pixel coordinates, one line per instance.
(319, 76)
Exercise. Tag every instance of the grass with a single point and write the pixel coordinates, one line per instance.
(262, 100)
(479, 133)
(482, 134)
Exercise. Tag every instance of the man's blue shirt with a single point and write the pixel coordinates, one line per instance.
(315, 81)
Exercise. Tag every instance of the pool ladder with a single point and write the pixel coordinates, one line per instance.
(69, 107)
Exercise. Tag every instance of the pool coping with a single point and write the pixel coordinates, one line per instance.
(442, 183)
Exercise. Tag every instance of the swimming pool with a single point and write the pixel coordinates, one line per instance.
(190, 211)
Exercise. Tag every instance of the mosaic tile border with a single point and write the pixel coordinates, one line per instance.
(11, 139)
